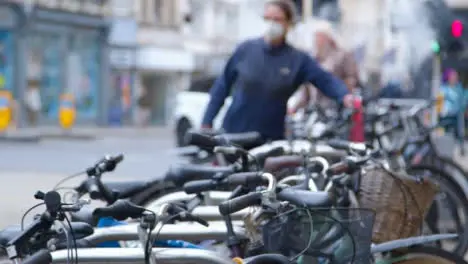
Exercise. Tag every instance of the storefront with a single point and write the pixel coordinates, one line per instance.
(123, 49)
(63, 52)
(161, 74)
(9, 20)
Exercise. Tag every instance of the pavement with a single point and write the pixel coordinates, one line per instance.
(28, 167)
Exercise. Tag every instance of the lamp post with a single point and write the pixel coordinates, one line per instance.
(436, 82)
(307, 6)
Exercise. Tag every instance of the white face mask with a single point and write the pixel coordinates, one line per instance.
(273, 30)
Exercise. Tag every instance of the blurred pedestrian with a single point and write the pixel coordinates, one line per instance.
(332, 56)
(263, 73)
(33, 103)
(454, 100)
(393, 88)
(453, 93)
(144, 109)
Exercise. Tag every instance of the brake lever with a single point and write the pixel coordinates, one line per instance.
(190, 217)
(184, 215)
(194, 203)
(75, 207)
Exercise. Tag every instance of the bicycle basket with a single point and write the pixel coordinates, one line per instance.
(400, 202)
(333, 235)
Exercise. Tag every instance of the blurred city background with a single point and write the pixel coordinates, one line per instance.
(125, 61)
(146, 66)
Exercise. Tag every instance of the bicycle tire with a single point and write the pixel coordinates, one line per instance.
(452, 165)
(423, 255)
(447, 183)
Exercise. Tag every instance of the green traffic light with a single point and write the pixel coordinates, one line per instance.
(435, 47)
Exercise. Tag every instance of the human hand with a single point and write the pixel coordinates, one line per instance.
(291, 110)
(348, 101)
(206, 127)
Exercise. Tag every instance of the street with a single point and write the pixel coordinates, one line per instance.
(28, 167)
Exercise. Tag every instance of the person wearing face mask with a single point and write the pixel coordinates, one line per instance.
(263, 73)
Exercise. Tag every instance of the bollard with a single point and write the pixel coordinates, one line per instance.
(67, 111)
(5, 110)
(357, 131)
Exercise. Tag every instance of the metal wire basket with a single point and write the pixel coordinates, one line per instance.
(330, 235)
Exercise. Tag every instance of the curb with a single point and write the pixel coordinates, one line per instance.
(20, 139)
(38, 138)
(68, 136)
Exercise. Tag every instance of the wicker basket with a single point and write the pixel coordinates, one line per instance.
(400, 202)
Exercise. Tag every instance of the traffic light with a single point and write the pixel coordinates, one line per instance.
(435, 46)
(448, 29)
(455, 43)
(457, 29)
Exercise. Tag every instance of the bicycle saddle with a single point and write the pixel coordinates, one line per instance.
(305, 198)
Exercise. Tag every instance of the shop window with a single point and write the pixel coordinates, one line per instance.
(83, 77)
(6, 61)
(120, 97)
(44, 72)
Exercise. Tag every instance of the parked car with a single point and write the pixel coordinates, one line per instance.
(191, 105)
(190, 108)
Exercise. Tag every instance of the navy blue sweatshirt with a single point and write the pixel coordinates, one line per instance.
(262, 78)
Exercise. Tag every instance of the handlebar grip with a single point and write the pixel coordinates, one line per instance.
(120, 210)
(199, 186)
(244, 178)
(239, 203)
(339, 144)
(118, 158)
(42, 256)
(338, 168)
(92, 188)
(227, 150)
(200, 140)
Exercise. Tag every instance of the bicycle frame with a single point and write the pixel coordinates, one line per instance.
(183, 231)
(408, 242)
(136, 256)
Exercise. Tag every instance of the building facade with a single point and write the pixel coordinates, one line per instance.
(123, 52)
(55, 47)
(163, 65)
(179, 40)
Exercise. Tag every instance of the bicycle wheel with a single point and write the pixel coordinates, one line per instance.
(456, 172)
(450, 202)
(427, 255)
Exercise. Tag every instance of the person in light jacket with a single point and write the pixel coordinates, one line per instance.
(454, 101)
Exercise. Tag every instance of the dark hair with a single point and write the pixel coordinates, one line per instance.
(288, 7)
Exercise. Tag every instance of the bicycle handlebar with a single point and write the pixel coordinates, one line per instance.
(120, 210)
(360, 148)
(200, 140)
(351, 164)
(234, 205)
(93, 185)
(233, 180)
(54, 208)
(107, 164)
